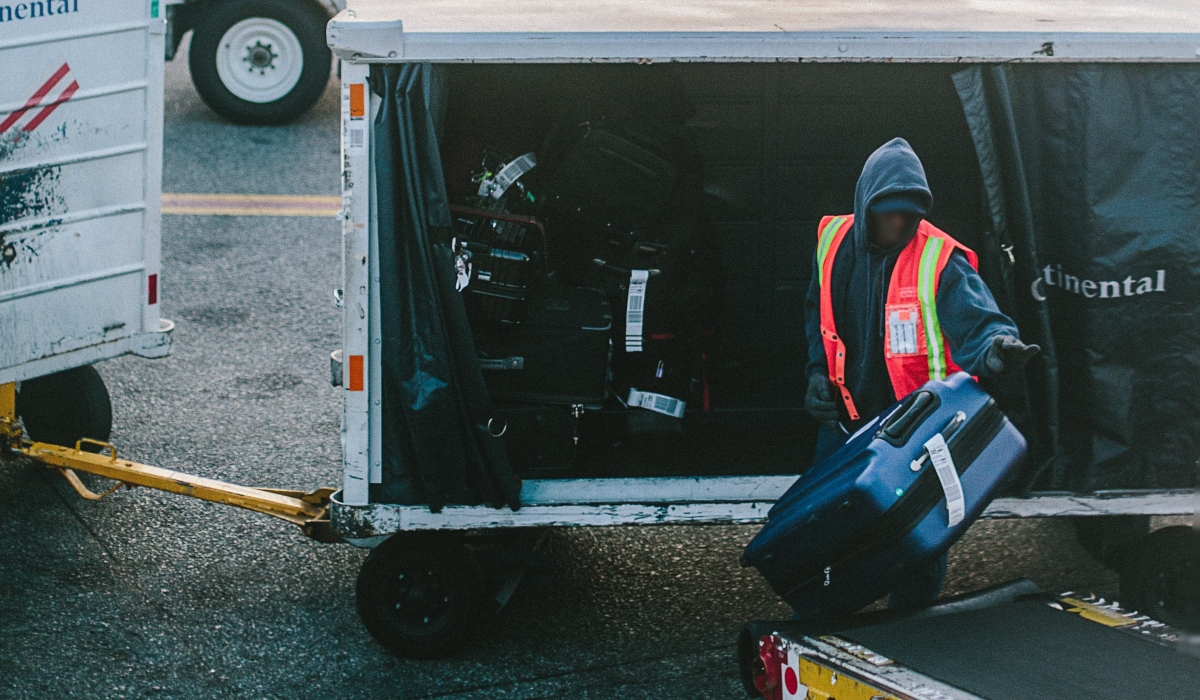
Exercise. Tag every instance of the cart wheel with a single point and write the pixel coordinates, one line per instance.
(63, 407)
(420, 595)
(260, 61)
(1156, 582)
(1112, 539)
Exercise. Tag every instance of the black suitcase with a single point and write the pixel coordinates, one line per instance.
(537, 437)
(610, 171)
(506, 254)
(559, 355)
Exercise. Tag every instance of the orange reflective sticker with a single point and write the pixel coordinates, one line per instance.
(355, 381)
(358, 108)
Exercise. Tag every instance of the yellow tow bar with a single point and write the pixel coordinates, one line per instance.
(307, 509)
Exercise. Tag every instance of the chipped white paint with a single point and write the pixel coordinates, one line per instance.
(80, 187)
(689, 500)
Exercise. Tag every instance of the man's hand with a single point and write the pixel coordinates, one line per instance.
(819, 399)
(1008, 354)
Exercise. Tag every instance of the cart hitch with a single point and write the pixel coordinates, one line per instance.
(307, 509)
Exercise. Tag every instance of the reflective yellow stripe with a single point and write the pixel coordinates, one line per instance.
(927, 295)
(824, 241)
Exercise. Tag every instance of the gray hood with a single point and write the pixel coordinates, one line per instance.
(892, 169)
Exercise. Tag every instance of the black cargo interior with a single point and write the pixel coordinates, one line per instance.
(782, 144)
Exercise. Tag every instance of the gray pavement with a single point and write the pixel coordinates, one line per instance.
(147, 595)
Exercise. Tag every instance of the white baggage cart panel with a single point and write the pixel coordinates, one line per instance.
(694, 31)
(80, 184)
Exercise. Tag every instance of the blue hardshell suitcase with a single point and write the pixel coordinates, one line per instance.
(840, 537)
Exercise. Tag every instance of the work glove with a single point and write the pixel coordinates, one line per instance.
(819, 399)
(1008, 354)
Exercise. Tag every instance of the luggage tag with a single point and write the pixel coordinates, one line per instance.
(943, 464)
(635, 304)
(495, 187)
(659, 403)
(462, 265)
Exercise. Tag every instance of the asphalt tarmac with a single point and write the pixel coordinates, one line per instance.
(148, 595)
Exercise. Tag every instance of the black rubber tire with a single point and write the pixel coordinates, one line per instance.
(63, 407)
(1112, 539)
(420, 595)
(306, 20)
(1159, 580)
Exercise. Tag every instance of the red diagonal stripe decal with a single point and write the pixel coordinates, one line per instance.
(36, 98)
(41, 116)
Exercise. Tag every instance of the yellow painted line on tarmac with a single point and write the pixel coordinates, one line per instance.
(251, 204)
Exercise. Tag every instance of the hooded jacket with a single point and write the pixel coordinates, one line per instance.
(862, 271)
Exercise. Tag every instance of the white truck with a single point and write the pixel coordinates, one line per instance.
(80, 189)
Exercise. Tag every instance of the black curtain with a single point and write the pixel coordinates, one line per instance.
(436, 445)
(1091, 178)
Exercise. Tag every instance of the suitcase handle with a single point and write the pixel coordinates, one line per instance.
(901, 425)
(499, 363)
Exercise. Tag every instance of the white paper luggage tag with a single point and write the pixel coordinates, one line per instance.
(635, 304)
(659, 403)
(496, 187)
(943, 463)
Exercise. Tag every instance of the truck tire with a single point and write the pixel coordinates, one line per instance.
(1159, 580)
(260, 61)
(420, 595)
(63, 407)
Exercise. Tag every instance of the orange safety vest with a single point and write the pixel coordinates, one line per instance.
(913, 349)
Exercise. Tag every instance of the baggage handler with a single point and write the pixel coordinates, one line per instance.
(894, 301)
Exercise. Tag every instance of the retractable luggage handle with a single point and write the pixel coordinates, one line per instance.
(505, 216)
(947, 432)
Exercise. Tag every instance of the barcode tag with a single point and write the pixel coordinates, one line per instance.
(635, 305)
(902, 331)
(659, 403)
(939, 454)
(355, 102)
(510, 173)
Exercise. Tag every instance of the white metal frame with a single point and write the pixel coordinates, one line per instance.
(691, 500)
(359, 297)
(386, 42)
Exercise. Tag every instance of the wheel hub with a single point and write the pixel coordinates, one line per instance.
(260, 56)
(259, 60)
(421, 600)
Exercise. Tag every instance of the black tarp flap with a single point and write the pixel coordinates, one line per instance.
(1092, 175)
(436, 446)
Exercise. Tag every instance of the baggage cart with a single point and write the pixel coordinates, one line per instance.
(714, 41)
(80, 188)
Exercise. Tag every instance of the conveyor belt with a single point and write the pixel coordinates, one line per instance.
(1030, 650)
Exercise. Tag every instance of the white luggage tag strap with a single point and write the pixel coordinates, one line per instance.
(495, 187)
(635, 304)
(659, 403)
(943, 463)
